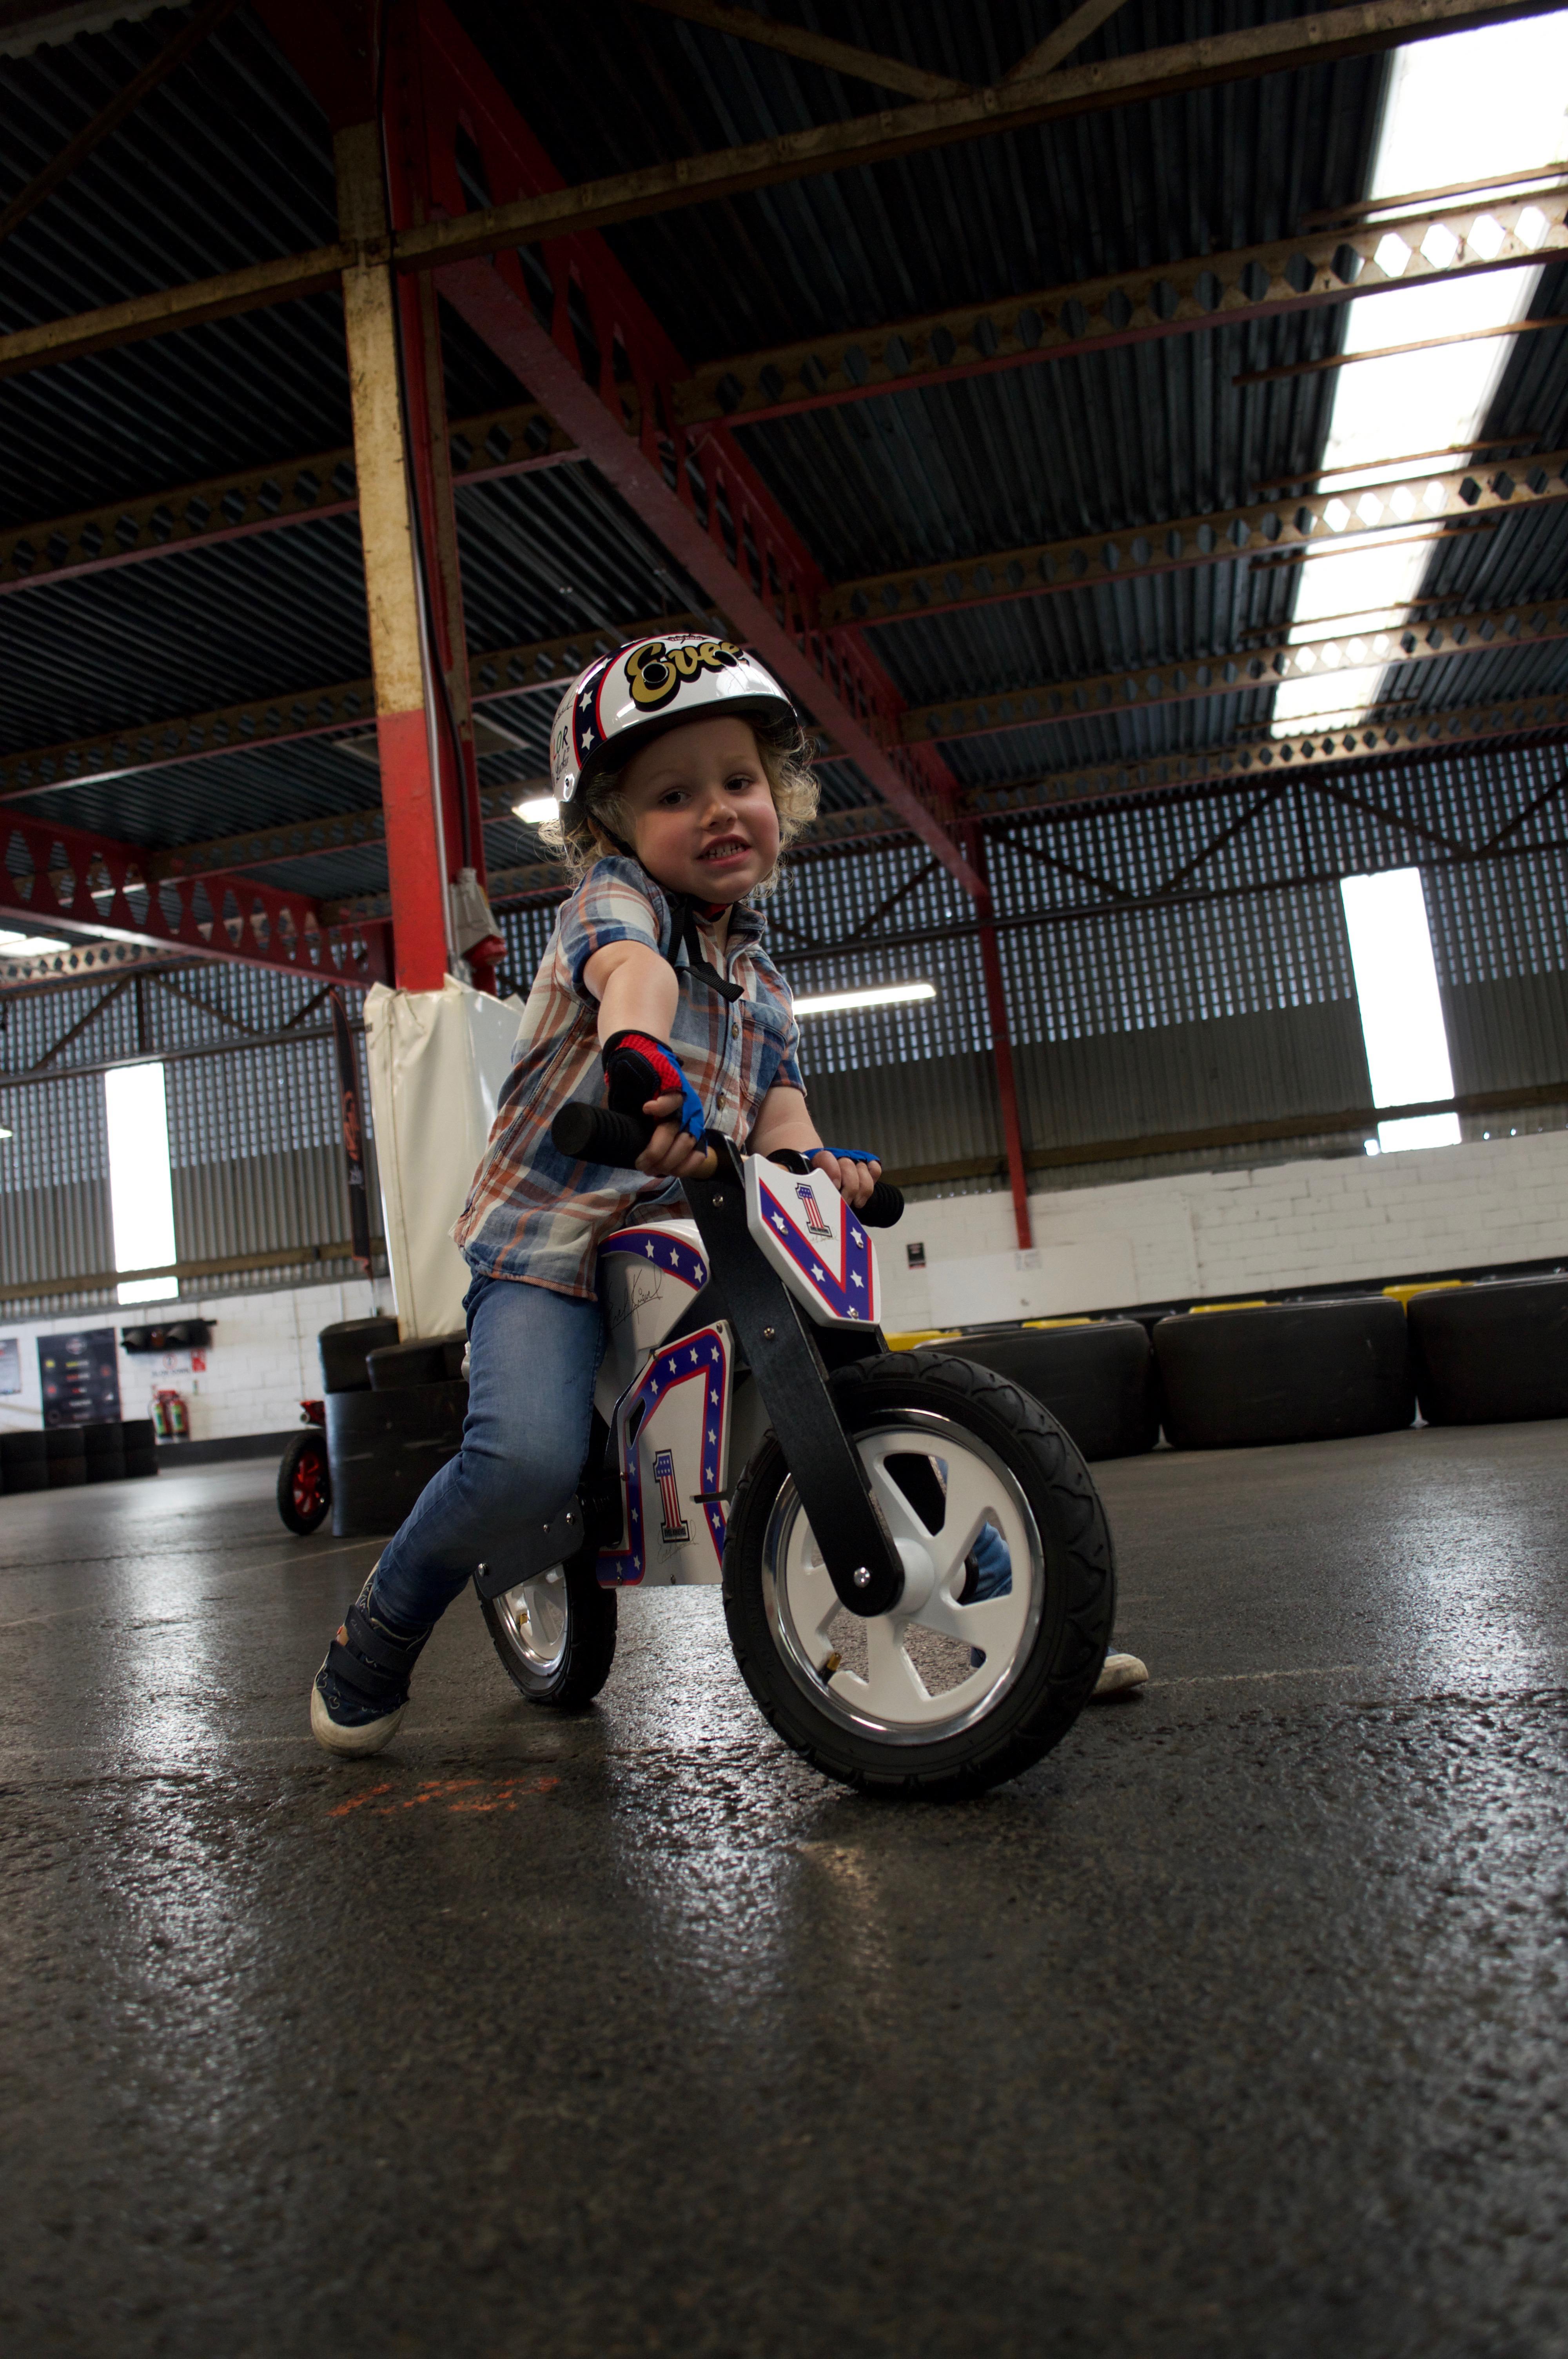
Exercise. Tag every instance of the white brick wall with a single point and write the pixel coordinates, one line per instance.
(260, 1362)
(1210, 1233)
(1191, 1238)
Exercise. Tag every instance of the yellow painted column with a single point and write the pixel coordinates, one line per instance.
(416, 859)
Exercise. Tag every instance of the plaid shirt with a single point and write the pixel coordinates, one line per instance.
(529, 1212)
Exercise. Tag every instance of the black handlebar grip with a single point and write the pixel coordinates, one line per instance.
(591, 1134)
(884, 1208)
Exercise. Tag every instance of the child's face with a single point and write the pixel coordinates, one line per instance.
(700, 811)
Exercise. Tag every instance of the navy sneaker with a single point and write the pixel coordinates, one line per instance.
(360, 1692)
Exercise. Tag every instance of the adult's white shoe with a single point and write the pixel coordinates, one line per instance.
(1121, 1674)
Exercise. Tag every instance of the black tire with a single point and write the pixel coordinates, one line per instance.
(344, 1348)
(1492, 1354)
(65, 1443)
(1066, 1611)
(1284, 1371)
(139, 1433)
(382, 1449)
(105, 1465)
(23, 1455)
(105, 1440)
(67, 1473)
(556, 1636)
(1096, 1381)
(305, 1482)
(139, 1462)
(397, 1367)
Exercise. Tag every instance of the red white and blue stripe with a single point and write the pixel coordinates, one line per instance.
(700, 1360)
(843, 1283)
(660, 1250)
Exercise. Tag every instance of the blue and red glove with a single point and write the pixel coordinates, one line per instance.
(852, 1154)
(637, 1068)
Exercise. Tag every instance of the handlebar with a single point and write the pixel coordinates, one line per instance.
(595, 1135)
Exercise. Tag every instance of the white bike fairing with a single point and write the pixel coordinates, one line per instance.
(816, 1244)
(671, 1406)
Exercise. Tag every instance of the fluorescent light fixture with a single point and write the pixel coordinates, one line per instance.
(534, 809)
(5, 1133)
(876, 994)
(141, 1192)
(1401, 1008)
(1470, 107)
(29, 945)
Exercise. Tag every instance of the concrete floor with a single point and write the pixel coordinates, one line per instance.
(1236, 2026)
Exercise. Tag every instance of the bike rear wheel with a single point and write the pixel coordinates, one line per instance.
(556, 1634)
(1009, 1587)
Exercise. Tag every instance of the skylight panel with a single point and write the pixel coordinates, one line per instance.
(1468, 108)
(1401, 1007)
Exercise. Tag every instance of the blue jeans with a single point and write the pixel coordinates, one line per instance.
(533, 1359)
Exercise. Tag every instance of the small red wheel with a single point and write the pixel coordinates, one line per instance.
(303, 1483)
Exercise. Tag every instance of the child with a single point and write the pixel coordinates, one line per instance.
(680, 768)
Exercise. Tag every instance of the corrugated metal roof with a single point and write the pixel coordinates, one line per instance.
(1034, 207)
(229, 161)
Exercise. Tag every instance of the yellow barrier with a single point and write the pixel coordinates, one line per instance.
(1402, 1294)
(921, 1335)
(1256, 1303)
(1059, 1322)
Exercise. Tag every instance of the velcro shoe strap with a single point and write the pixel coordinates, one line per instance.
(367, 1657)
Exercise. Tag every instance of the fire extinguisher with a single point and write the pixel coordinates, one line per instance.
(171, 1419)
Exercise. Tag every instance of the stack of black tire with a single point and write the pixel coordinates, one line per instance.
(1097, 1381)
(65, 1457)
(1485, 1354)
(394, 1416)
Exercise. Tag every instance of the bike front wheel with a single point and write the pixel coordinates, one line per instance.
(1009, 1587)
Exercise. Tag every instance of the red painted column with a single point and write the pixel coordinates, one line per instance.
(413, 202)
(415, 852)
(1002, 1043)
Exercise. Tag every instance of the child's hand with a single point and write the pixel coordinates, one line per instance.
(671, 1154)
(853, 1180)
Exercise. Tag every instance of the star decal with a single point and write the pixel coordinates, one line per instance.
(693, 1358)
(585, 702)
(712, 1435)
(816, 1270)
(648, 1249)
(778, 1223)
(855, 1280)
(856, 1235)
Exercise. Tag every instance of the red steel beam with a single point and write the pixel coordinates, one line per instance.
(74, 876)
(1001, 1046)
(737, 544)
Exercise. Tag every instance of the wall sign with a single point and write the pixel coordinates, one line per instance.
(79, 1378)
(10, 1364)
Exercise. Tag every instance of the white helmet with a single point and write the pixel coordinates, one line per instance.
(649, 684)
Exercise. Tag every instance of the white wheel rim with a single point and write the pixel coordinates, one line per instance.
(890, 1700)
(534, 1616)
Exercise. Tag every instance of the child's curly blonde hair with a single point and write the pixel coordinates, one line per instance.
(586, 830)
